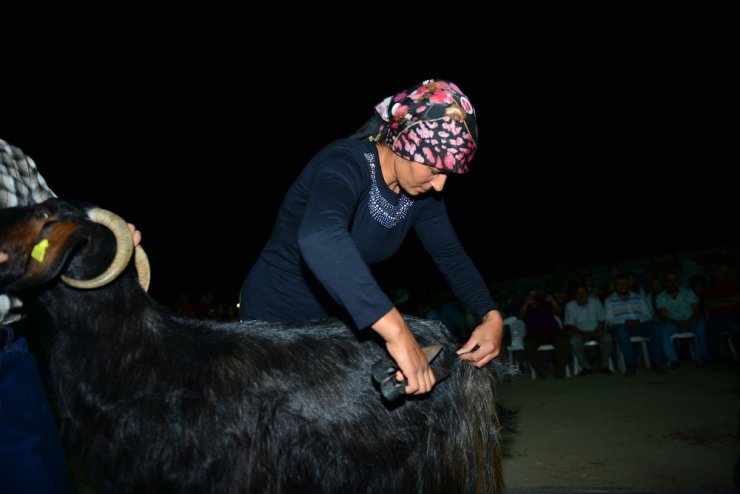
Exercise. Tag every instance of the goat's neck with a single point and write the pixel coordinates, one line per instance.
(100, 311)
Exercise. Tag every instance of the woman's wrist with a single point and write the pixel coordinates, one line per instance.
(492, 315)
(391, 327)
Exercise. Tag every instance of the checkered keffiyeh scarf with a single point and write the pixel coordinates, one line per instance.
(20, 185)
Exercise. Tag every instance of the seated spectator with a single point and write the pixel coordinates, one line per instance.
(591, 288)
(634, 286)
(561, 297)
(698, 283)
(722, 304)
(678, 309)
(609, 286)
(538, 313)
(442, 306)
(585, 321)
(654, 288)
(628, 315)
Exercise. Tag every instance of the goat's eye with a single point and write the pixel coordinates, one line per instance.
(42, 215)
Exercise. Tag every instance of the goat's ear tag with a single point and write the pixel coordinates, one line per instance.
(39, 250)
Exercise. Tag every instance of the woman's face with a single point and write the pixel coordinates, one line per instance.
(415, 178)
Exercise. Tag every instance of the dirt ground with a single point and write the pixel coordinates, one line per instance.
(673, 432)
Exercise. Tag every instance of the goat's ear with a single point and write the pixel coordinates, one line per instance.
(49, 254)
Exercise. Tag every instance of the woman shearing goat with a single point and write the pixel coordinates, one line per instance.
(166, 404)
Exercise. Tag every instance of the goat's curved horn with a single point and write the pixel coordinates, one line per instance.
(124, 249)
(141, 261)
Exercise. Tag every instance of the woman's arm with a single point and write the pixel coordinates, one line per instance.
(406, 352)
(439, 239)
(328, 248)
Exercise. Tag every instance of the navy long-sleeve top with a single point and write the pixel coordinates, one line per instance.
(338, 218)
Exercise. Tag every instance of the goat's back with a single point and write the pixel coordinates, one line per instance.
(259, 407)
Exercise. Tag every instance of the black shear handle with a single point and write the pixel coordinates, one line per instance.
(384, 373)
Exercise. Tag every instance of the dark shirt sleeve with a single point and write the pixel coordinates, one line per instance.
(439, 238)
(329, 250)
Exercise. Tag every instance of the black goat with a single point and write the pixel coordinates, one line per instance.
(166, 404)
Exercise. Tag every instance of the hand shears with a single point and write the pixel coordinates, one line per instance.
(384, 373)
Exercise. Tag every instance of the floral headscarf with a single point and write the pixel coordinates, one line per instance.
(432, 123)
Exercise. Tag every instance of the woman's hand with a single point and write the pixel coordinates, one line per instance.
(405, 351)
(487, 335)
(136, 234)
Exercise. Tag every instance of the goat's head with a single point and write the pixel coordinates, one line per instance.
(37, 243)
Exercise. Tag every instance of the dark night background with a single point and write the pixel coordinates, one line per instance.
(195, 137)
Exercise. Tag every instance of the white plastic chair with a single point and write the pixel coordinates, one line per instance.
(730, 345)
(643, 341)
(693, 348)
(547, 348)
(516, 326)
(591, 343)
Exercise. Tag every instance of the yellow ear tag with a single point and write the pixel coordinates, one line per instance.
(39, 250)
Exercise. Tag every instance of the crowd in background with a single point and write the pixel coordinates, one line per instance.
(570, 307)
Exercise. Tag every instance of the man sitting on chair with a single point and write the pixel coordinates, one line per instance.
(628, 315)
(584, 321)
(542, 329)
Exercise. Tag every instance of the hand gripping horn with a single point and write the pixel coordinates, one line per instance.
(124, 249)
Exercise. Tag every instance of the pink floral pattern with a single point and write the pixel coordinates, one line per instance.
(432, 123)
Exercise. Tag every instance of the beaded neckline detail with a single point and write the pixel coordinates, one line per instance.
(382, 211)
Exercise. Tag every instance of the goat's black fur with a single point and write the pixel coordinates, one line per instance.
(166, 404)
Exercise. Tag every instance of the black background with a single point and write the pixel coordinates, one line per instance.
(595, 145)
